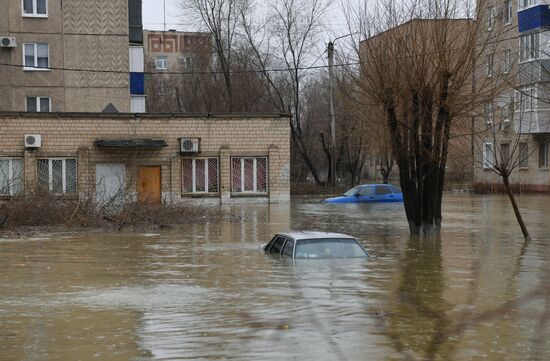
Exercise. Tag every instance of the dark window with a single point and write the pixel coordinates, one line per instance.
(367, 191)
(396, 189)
(289, 248)
(523, 155)
(277, 245)
(383, 190)
(543, 155)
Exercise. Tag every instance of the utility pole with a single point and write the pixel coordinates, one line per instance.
(330, 51)
(164, 9)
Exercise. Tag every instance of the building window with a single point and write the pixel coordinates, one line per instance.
(487, 155)
(38, 104)
(36, 56)
(529, 47)
(508, 12)
(249, 175)
(161, 62)
(523, 160)
(543, 155)
(491, 15)
(525, 98)
(57, 175)
(524, 4)
(507, 61)
(489, 114)
(504, 153)
(187, 62)
(37, 8)
(11, 176)
(490, 65)
(200, 175)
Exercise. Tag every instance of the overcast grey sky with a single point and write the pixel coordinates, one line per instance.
(153, 15)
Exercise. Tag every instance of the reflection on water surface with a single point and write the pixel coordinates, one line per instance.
(208, 293)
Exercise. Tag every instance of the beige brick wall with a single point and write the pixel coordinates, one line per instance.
(73, 135)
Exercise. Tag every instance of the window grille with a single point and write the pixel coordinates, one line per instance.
(11, 176)
(249, 175)
(57, 175)
(200, 175)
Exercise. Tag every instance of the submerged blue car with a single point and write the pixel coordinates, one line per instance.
(369, 193)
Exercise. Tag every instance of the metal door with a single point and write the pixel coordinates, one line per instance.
(110, 184)
(149, 185)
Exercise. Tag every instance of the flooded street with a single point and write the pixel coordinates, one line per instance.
(207, 293)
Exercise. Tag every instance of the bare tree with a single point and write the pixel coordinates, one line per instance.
(220, 18)
(288, 37)
(420, 73)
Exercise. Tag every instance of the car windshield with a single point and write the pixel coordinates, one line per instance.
(329, 248)
(352, 191)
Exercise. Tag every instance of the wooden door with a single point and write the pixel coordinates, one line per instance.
(149, 185)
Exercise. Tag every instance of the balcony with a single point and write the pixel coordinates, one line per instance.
(533, 18)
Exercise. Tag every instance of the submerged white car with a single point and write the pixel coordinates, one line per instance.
(314, 245)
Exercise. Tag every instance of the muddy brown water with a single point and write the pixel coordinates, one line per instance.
(207, 293)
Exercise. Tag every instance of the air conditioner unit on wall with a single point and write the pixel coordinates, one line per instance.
(190, 145)
(7, 42)
(33, 141)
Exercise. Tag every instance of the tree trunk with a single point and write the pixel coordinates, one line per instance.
(519, 218)
(328, 154)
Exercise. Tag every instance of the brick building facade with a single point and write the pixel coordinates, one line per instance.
(239, 157)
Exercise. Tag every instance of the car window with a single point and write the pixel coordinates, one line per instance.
(395, 189)
(277, 245)
(270, 244)
(352, 191)
(383, 190)
(289, 248)
(367, 191)
(329, 248)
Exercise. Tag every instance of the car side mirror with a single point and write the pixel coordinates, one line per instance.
(357, 195)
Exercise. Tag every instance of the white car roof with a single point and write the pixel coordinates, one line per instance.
(313, 235)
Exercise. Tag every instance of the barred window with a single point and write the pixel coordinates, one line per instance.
(11, 176)
(249, 175)
(57, 175)
(200, 175)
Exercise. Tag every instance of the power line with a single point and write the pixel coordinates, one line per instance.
(287, 69)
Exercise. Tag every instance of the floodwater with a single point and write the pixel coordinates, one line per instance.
(207, 293)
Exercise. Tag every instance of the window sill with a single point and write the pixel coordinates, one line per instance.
(39, 16)
(544, 169)
(524, 169)
(200, 195)
(249, 194)
(36, 69)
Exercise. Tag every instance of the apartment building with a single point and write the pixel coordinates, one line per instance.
(514, 125)
(170, 58)
(69, 56)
